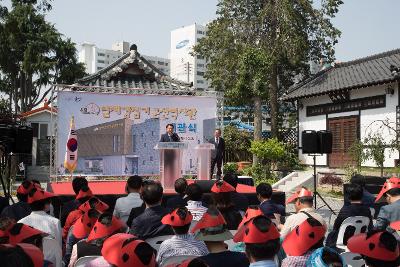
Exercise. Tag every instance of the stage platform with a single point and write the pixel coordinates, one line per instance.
(118, 188)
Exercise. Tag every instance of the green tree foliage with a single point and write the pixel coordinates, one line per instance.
(237, 143)
(376, 149)
(358, 154)
(33, 54)
(255, 47)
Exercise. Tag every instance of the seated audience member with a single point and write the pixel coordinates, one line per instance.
(261, 238)
(5, 224)
(212, 229)
(268, 207)
(194, 204)
(356, 208)
(39, 200)
(325, 257)
(125, 250)
(21, 209)
(124, 205)
(393, 229)
(221, 196)
(21, 255)
(179, 200)
(301, 242)
(148, 224)
(303, 203)
(389, 213)
(241, 202)
(182, 243)
(84, 195)
(106, 226)
(77, 184)
(368, 199)
(22, 233)
(378, 248)
(79, 231)
(135, 212)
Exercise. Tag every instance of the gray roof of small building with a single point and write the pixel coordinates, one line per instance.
(153, 79)
(363, 72)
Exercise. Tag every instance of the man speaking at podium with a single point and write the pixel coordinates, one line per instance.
(169, 154)
(169, 136)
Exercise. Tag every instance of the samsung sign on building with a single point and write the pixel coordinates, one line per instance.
(182, 44)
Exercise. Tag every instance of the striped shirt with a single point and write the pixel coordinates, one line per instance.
(180, 245)
(196, 208)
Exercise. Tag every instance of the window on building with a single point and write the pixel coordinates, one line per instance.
(43, 131)
(142, 134)
(144, 145)
(100, 61)
(144, 162)
(116, 143)
(161, 63)
(200, 57)
(200, 32)
(152, 133)
(99, 68)
(200, 73)
(166, 64)
(151, 158)
(101, 54)
(200, 81)
(134, 143)
(200, 65)
(108, 56)
(198, 39)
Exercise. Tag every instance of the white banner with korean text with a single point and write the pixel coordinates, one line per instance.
(117, 132)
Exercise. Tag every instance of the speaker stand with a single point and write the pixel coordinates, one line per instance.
(315, 185)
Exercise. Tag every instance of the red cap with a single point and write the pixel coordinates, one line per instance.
(84, 225)
(37, 194)
(25, 187)
(250, 233)
(303, 237)
(19, 232)
(393, 182)
(209, 220)
(221, 186)
(372, 247)
(100, 230)
(302, 192)
(174, 219)
(395, 225)
(33, 252)
(251, 213)
(94, 203)
(84, 192)
(123, 250)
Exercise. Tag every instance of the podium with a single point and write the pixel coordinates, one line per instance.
(204, 161)
(170, 162)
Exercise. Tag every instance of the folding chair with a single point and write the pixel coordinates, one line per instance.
(357, 223)
(155, 242)
(353, 259)
(81, 262)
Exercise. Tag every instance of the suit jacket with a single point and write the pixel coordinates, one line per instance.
(218, 152)
(165, 138)
(268, 207)
(387, 214)
(347, 211)
(148, 224)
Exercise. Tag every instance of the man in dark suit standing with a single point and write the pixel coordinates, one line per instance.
(217, 155)
(170, 136)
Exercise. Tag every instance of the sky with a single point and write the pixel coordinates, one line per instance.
(368, 26)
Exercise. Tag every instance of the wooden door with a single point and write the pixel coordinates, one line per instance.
(344, 134)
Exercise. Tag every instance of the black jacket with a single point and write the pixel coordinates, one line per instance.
(17, 211)
(218, 152)
(174, 138)
(232, 217)
(148, 224)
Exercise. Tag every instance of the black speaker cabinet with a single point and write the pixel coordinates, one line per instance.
(309, 141)
(325, 142)
(23, 140)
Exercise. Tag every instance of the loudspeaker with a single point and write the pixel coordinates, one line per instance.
(325, 142)
(23, 140)
(309, 141)
(205, 185)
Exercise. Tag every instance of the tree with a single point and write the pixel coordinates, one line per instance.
(33, 54)
(284, 34)
(237, 143)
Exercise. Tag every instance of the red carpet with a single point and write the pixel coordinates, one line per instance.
(118, 188)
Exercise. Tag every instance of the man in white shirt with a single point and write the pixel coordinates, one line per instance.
(124, 205)
(39, 200)
(303, 203)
